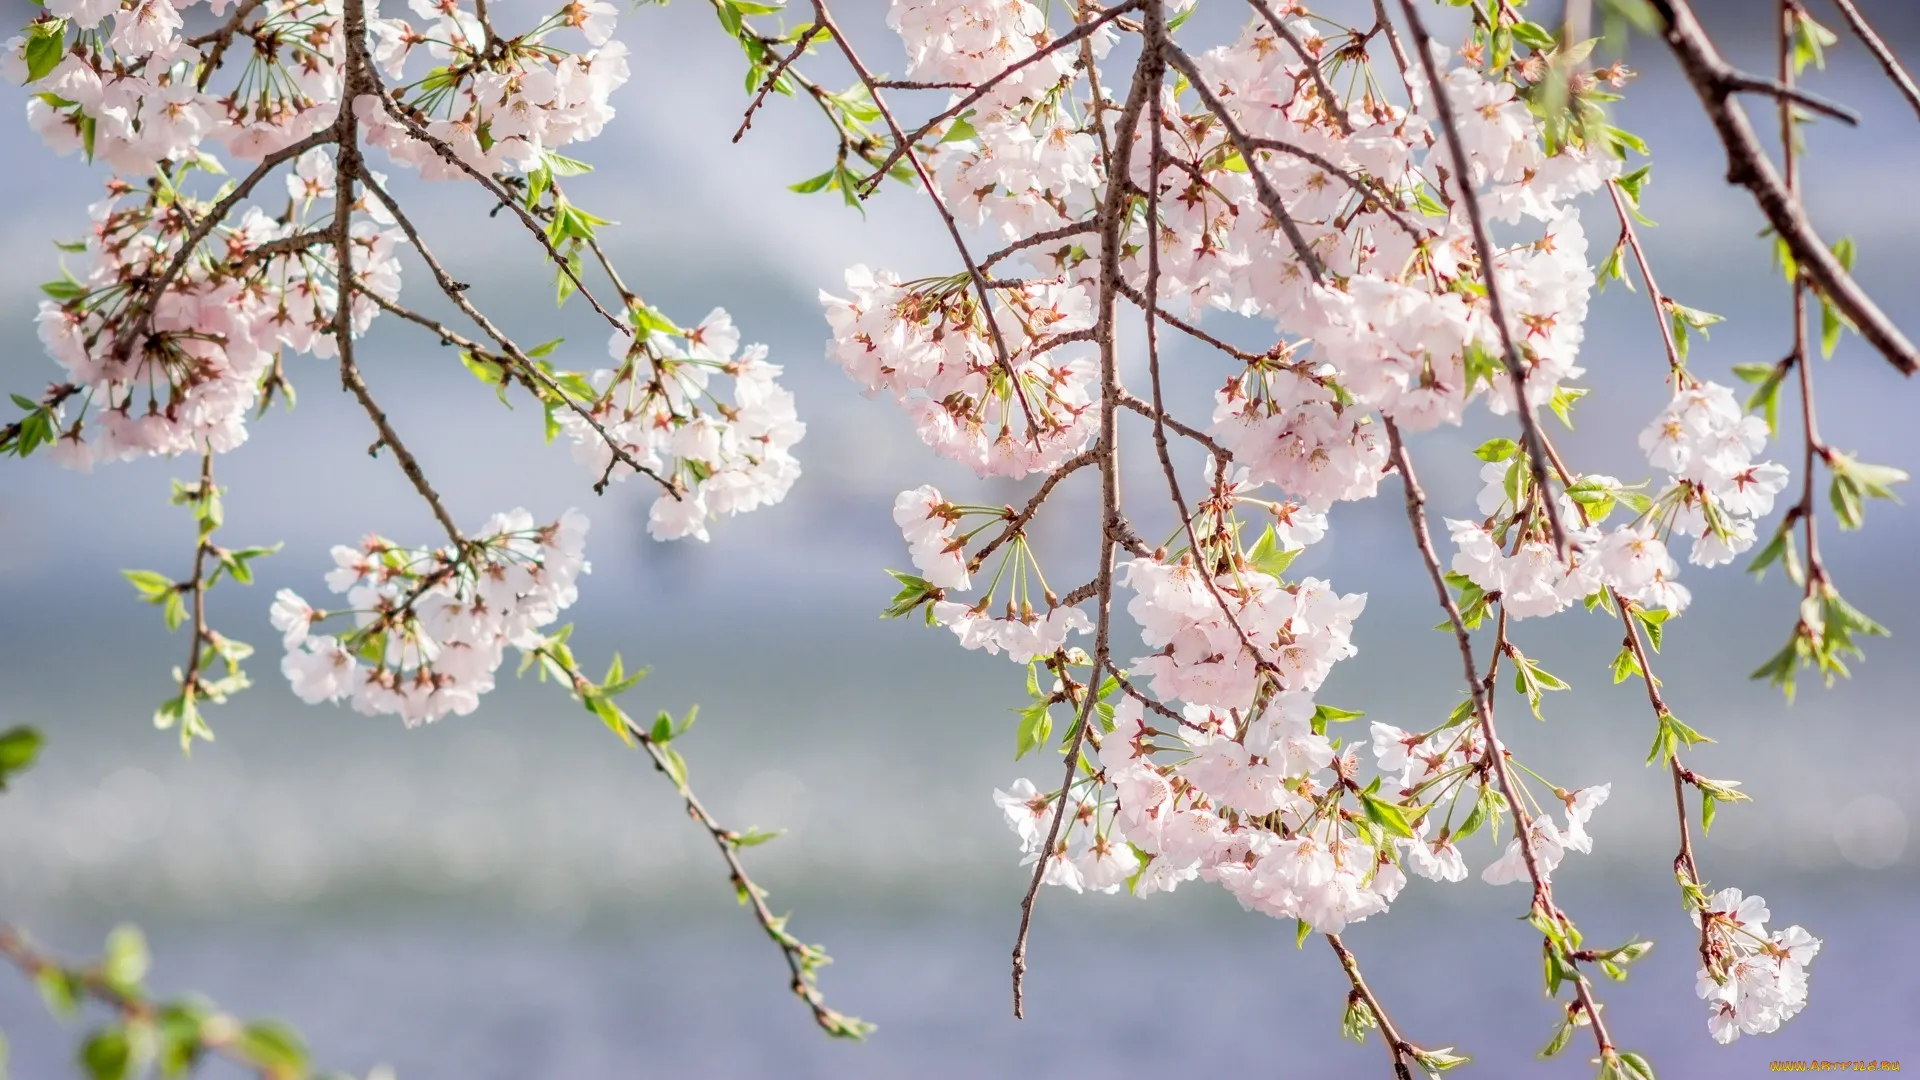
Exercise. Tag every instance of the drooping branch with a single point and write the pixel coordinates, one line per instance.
(979, 279)
(1482, 697)
(903, 145)
(1112, 223)
(1531, 438)
(1270, 199)
(211, 1032)
(1716, 82)
(523, 364)
(1864, 30)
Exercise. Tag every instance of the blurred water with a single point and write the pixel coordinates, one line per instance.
(512, 894)
(1115, 990)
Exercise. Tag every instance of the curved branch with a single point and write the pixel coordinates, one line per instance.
(1712, 79)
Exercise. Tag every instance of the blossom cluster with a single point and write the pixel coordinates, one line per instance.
(1707, 442)
(178, 314)
(179, 372)
(657, 411)
(928, 345)
(1253, 189)
(1756, 980)
(430, 627)
(500, 105)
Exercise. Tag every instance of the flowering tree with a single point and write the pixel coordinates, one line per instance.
(1398, 222)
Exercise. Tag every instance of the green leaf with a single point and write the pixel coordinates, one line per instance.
(1670, 737)
(1635, 1067)
(823, 182)
(1387, 816)
(1534, 36)
(1562, 403)
(274, 1045)
(1325, 714)
(107, 1054)
(755, 837)
(1654, 621)
(914, 591)
(1631, 184)
(674, 766)
(46, 44)
(1441, 1060)
(153, 587)
(19, 746)
(1562, 1035)
(1036, 726)
(60, 990)
(1268, 557)
(127, 959)
(1497, 450)
(1624, 665)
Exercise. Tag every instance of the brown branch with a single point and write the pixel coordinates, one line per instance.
(1483, 705)
(1112, 220)
(1889, 62)
(1802, 354)
(1335, 109)
(979, 279)
(1398, 1048)
(1263, 186)
(801, 958)
(1185, 327)
(1160, 416)
(1360, 187)
(1654, 295)
(296, 244)
(1739, 82)
(1483, 246)
(1155, 53)
(903, 145)
(528, 368)
(358, 75)
(773, 79)
(1749, 167)
(1681, 776)
(447, 153)
(1017, 523)
(1061, 233)
(216, 1033)
(190, 679)
(148, 302)
(221, 39)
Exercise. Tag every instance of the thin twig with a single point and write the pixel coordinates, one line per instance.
(801, 958)
(1397, 1048)
(773, 79)
(216, 1033)
(1889, 62)
(526, 364)
(1483, 247)
(974, 273)
(1112, 220)
(1263, 186)
(1482, 696)
(903, 145)
(1334, 107)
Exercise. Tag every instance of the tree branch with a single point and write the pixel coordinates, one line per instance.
(1748, 167)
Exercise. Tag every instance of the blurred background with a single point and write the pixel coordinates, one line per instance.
(515, 895)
